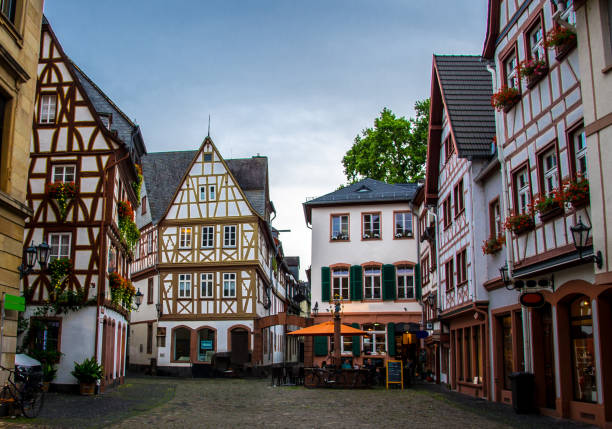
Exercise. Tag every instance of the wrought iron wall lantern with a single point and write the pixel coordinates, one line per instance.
(315, 309)
(580, 234)
(34, 254)
(138, 299)
(158, 308)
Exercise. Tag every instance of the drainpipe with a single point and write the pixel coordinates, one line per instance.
(505, 206)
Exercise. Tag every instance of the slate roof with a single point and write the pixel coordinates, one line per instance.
(127, 130)
(466, 87)
(365, 191)
(163, 172)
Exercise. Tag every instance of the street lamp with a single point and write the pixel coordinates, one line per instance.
(33, 254)
(315, 309)
(138, 299)
(580, 235)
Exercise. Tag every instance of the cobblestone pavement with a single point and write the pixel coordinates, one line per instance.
(231, 403)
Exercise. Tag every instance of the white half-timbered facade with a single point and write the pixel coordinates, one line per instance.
(79, 137)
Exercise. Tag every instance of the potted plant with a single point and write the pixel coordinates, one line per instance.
(576, 192)
(62, 193)
(505, 98)
(532, 70)
(493, 245)
(88, 373)
(550, 206)
(562, 39)
(519, 223)
(49, 372)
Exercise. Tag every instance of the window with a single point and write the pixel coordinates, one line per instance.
(211, 193)
(458, 195)
(60, 245)
(535, 42)
(446, 208)
(229, 236)
(511, 74)
(64, 173)
(208, 157)
(340, 283)
(143, 204)
(425, 270)
(185, 237)
(229, 285)
(340, 227)
(149, 337)
(372, 282)
(150, 242)
(450, 275)
(579, 147)
(371, 225)
(568, 13)
(184, 286)
(549, 176)
(45, 334)
(523, 194)
(403, 224)
(150, 291)
(206, 345)
(374, 342)
(206, 285)
(182, 344)
(449, 149)
(202, 193)
(347, 344)
(8, 9)
(405, 282)
(495, 224)
(583, 350)
(208, 237)
(462, 267)
(48, 107)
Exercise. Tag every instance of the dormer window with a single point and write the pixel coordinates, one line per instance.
(105, 118)
(364, 188)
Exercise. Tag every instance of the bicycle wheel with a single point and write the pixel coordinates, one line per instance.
(32, 401)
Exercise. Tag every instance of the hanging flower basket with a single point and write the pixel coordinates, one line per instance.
(520, 223)
(62, 193)
(576, 192)
(506, 98)
(493, 245)
(127, 227)
(533, 71)
(562, 39)
(550, 206)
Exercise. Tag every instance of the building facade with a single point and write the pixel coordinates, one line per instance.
(81, 174)
(20, 23)
(364, 253)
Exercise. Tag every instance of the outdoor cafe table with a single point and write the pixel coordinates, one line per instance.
(337, 377)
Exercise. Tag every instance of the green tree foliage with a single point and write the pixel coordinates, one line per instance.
(394, 151)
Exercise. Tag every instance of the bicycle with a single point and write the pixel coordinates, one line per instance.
(24, 390)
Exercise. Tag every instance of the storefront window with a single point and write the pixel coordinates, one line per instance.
(506, 323)
(582, 349)
(182, 344)
(374, 342)
(206, 345)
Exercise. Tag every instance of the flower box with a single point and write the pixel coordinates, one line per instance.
(551, 213)
(505, 99)
(563, 50)
(519, 224)
(576, 192)
(62, 193)
(563, 40)
(533, 71)
(493, 245)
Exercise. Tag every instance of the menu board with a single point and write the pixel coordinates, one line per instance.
(395, 372)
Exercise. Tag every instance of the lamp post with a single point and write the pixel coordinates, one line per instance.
(580, 235)
(34, 254)
(336, 310)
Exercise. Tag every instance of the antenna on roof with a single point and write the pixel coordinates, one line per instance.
(209, 125)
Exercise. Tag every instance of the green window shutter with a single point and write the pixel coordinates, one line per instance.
(417, 281)
(388, 282)
(320, 346)
(391, 338)
(325, 284)
(356, 283)
(356, 340)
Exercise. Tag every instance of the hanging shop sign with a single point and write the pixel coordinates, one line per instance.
(532, 299)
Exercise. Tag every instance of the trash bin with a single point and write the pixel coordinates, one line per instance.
(523, 385)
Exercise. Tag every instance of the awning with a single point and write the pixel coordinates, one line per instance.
(327, 328)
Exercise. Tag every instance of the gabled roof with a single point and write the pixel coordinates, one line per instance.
(467, 87)
(365, 191)
(163, 173)
(126, 130)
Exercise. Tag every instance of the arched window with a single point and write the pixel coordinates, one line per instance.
(206, 344)
(182, 344)
(583, 350)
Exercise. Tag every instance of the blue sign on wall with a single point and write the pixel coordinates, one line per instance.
(206, 345)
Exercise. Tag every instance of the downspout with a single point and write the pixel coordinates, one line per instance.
(436, 229)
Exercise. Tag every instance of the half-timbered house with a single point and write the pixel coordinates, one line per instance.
(82, 169)
(211, 264)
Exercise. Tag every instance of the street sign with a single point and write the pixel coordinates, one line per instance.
(12, 302)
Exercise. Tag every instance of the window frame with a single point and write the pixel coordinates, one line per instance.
(449, 275)
(375, 335)
(53, 319)
(185, 291)
(403, 234)
(459, 197)
(331, 226)
(543, 174)
(212, 193)
(63, 174)
(229, 279)
(150, 288)
(59, 234)
(530, 48)
(495, 222)
(372, 223)
(227, 228)
(406, 287)
(571, 133)
(461, 264)
(44, 115)
(205, 235)
(342, 278)
(518, 191)
(447, 212)
(372, 277)
(185, 237)
(210, 277)
(512, 52)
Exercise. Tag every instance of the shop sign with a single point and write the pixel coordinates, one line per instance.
(532, 299)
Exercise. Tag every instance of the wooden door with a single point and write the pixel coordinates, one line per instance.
(240, 346)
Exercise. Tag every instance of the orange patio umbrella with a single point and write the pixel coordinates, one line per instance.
(327, 328)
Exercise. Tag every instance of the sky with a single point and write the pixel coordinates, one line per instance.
(293, 80)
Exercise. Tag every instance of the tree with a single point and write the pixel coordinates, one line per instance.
(394, 151)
